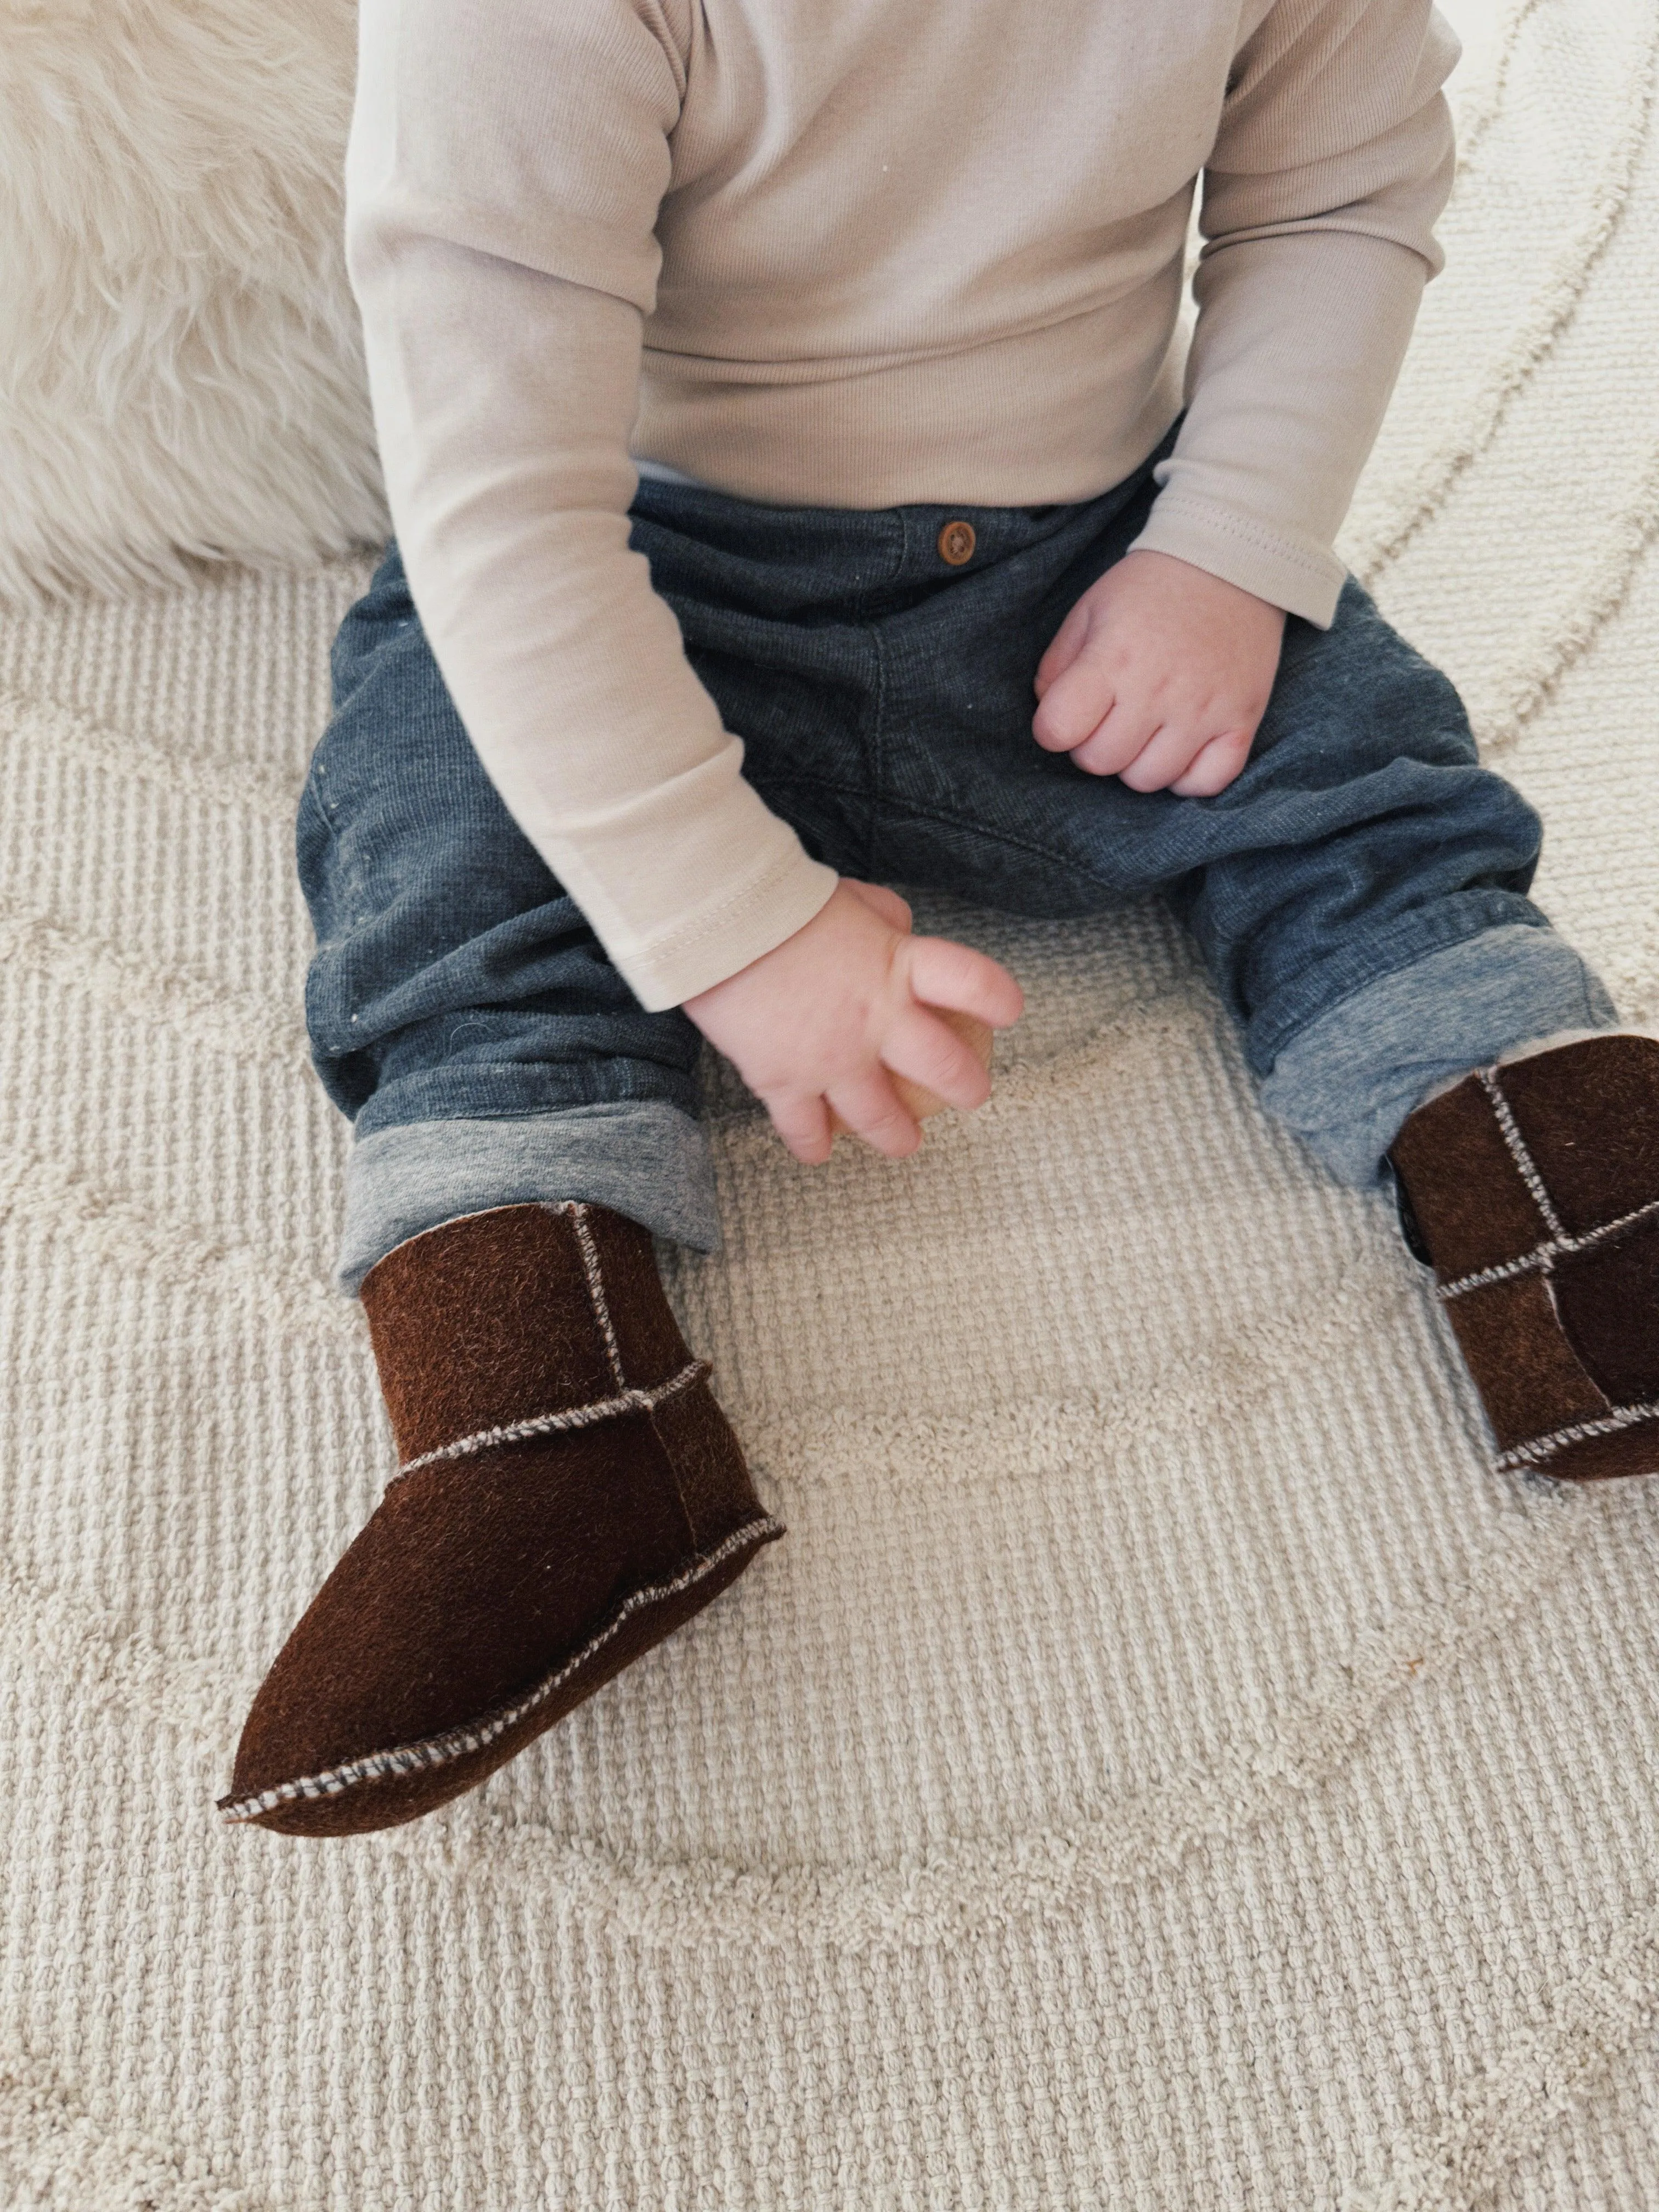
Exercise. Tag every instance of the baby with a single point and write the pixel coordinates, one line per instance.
(802, 487)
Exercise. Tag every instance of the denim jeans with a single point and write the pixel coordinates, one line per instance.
(1358, 894)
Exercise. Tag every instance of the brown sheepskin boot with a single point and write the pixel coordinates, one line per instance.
(569, 1493)
(1533, 1190)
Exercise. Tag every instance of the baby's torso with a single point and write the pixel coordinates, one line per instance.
(919, 195)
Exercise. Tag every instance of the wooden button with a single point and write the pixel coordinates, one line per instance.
(955, 542)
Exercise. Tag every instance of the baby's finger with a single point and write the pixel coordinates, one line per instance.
(1063, 647)
(1074, 704)
(1122, 738)
(922, 1049)
(888, 904)
(1168, 752)
(943, 972)
(871, 1109)
(803, 1123)
(1216, 767)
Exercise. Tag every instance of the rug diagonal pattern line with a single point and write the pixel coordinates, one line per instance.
(1548, 314)
(955, 1889)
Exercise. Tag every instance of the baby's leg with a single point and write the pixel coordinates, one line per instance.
(1404, 997)
(570, 1491)
(461, 1011)
(1359, 895)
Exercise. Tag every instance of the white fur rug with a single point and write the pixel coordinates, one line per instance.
(180, 372)
(1163, 1768)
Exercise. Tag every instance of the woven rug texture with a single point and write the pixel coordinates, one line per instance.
(1163, 1769)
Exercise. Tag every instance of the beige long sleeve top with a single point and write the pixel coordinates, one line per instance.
(847, 253)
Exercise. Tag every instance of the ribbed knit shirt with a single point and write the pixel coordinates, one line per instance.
(852, 254)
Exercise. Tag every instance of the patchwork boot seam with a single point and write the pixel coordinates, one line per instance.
(600, 1303)
(628, 1400)
(1543, 1256)
(1528, 1168)
(1537, 1451)
(594, 1270)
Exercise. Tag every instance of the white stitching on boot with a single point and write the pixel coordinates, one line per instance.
(574, 1416)
(1544, 1255)
(1537, 1450)
(1518, 1152)
(596, 1293)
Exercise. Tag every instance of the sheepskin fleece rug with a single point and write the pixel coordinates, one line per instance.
(180, 372)
(1162, 1769)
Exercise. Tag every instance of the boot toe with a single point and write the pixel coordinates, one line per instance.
(478, 1606)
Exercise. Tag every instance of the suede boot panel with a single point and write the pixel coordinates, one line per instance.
(1530, 1381)
(483, 1321)
(715, 1495)
(576, 1497)
(398, 1646)
(388, 1800)
(1559, 1325)
(1469, 1197)
(1608, 1302)
(1596, 1138)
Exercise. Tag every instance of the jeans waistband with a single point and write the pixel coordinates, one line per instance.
(877, 545)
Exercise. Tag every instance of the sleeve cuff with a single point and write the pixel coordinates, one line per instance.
(1297, 573)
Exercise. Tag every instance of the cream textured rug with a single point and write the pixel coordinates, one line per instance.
(1163, 1768)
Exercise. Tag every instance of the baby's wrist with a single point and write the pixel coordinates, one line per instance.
(720, 991)
(1169, 571)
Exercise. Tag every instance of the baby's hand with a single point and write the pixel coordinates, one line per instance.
(826, 1019)
(1159, 675)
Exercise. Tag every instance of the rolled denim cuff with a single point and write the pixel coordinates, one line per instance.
(1347, 1082)
(641, 1158)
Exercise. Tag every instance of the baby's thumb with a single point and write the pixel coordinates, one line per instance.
(888, 904)
(945, 974)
